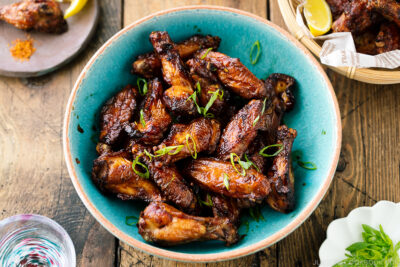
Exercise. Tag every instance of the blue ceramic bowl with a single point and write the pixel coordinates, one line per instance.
(315, 117)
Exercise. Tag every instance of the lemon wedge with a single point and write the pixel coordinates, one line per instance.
(74, 8)
(318, 16)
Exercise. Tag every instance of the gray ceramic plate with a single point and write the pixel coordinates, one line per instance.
(52, 50)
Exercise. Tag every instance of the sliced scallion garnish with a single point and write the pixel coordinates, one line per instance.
(206, 53)
(142, 121)
(251, 163)
(243, 173)
(131, 220)
(167, 150)
(226, 181)
(142, 86)
(268, 147)
(145, 174)
(194, 151)
(254, 60)
(307, 165)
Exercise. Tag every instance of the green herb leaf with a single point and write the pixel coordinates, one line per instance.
(256, 120)
(131, 220)
(198, 87)
(142, 121)
(268, 147)
(206, 53)
(167, 150)
(194, 151)
(307, 165)
(208, 203)
(254, 60)
(210, 103)
(145, 174)
(251, 163)
(226, 181)
(243, 173)
(142, 86)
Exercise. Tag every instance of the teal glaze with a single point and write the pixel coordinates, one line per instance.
(314, 111)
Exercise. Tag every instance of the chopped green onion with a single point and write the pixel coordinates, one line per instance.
(143, 88)
(210, 103)
(209, 202)
(256, 44)
(263, 108)
(226, 181)
(206, 53)
(268, 147)
(198, 87)
(173, 178)
(256, 120)
(323, 132)
(252, 163)
(149, 155)
(256, 214)
(142, 121)
(168, 149)
(307, 165)
(131, 220)
(194, 98)
(234, 165)
(194, 152)
(146, 174)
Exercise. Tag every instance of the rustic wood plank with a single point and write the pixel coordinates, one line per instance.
(134, 9)
(34, 178)
(369, 167)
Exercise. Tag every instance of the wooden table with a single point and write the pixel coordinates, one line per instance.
(34, 178)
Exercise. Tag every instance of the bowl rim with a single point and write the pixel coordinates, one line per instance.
(189, 257)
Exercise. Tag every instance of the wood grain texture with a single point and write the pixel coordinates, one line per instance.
(33, 176)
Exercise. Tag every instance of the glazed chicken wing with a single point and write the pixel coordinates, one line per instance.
(40, 15)
(116, 114)
(356, 18)
(113, 173)
(281, 174)
(242, 129)
(337, 7)
(155, 117)
(222, 178)
(209, 84)
(390, 9)
(173, 186)
(234, 75)
(225, 207)
(201, 135)
(163, 224)
(388, 38)
(282, 86)
(176, 98)
(149, 65)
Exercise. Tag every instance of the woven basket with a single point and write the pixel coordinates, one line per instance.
(374, 76)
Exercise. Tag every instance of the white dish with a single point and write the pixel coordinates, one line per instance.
(343, 232)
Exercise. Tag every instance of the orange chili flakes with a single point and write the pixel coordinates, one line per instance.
(23, 49)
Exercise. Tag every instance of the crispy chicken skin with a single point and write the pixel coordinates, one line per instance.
(40, 15)
(282, 86)
(208, 81)
(116, 114)
(173, 186)
(388, 38)
(281, 174)
(163, 224)
(113, 173)
(209, 174)
(155, 116)
(390, 9)
(204, 132)
(149, 65)
(241, 130)
(234, 75)
(176, 98)
(225, 207)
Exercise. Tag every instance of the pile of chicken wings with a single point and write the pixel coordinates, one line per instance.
(375, 24)
(200, 140)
